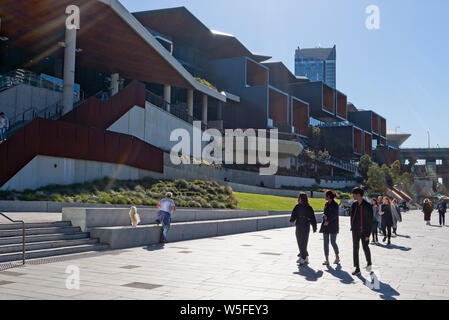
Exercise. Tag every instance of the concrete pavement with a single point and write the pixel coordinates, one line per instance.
(259, 265)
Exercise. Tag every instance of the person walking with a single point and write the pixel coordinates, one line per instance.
(427, 210)
(4, 126)
(330, 226)
(166, 209)
(442, 208)
(396, 216)
(380, 201)
(361, 226)
(377, 220)
(387, 219)
(304, 217)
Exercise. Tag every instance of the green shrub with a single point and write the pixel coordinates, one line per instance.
(199, 193)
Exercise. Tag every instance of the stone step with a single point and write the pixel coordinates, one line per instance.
(128, 237)
(11, 226)
(43, 237)
(35, 254)
(35, 231)
(17, 248)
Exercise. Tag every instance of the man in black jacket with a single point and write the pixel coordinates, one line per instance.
(361, 226)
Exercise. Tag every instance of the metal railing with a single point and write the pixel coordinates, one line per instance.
(23, 233)
(333, 124)
(178, 110)
(52, 112)
(28, 114)
(20, 76)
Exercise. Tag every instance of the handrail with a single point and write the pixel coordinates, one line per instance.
(23, 233)
(21, 117)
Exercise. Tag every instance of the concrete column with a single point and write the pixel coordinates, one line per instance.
(167, 95)
(115, 83)
(190, 102)
(69, 70)
(205, 101)
(220, 111)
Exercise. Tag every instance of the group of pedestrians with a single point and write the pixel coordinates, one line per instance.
(366, 219)
(428, 209)
(387, 214)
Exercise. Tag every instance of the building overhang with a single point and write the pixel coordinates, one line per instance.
(111, 39)
(184, 26)
(398, 138)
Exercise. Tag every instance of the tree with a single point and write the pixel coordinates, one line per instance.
(376, 179)
(388, 176)
(364, 164)
(395, 172)
(324, 155)
(314, 134)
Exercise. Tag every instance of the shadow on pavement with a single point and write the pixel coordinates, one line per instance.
(402, 236)
(154, 247)
(386, 291)
(338, 272)
(396, 247)
(309, 273)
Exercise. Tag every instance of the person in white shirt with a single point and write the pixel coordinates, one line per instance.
(4, 126)
(166, 208)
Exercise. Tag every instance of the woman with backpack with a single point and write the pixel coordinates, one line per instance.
(330, 226)
(304, 217)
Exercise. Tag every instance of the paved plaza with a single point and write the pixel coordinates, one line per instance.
(260, 265)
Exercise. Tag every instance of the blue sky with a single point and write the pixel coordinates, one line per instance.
(401, 71)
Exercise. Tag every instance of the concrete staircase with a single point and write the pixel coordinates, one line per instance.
(44, 239)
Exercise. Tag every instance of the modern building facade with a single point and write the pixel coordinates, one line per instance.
(140, 77)
(317, 64)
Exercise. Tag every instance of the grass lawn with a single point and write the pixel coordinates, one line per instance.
(249, 201)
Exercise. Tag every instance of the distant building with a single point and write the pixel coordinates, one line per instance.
(317, 64)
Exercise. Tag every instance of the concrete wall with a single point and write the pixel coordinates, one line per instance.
(16, 100)
(89, 218)
(43, 171)
(153, 125)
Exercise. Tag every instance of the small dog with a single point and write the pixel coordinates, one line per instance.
(135, 218)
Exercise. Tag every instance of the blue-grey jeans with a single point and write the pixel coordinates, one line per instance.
(333, 238)
(165, 228)
(2, 134)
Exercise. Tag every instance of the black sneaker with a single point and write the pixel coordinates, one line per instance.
(385, 239)
(389, 243)
(356, 272)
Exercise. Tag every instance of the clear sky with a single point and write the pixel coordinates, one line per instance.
(401, 71)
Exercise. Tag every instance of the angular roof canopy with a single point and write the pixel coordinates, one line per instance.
(352, 107)
(111, 38)
(185, 27)
(280, 68)
(397, 137)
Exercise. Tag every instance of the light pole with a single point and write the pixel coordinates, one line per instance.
(428, 139)
(396, 129)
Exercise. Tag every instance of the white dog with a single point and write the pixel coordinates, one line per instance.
(135, 218)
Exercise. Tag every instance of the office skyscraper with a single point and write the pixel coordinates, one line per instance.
(317, 64)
